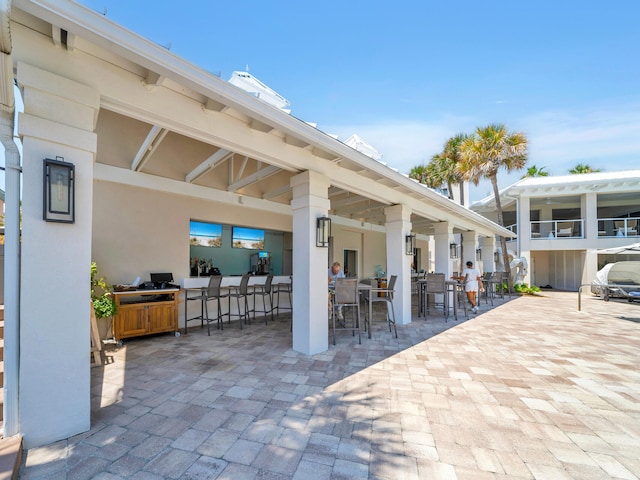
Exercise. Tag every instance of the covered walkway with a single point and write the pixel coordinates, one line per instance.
(530, 389)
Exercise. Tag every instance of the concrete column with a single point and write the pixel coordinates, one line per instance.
(398, 226)
(443, 237)
(488, 250)
(589, 215)
(524, 234)
(58, 120)
(310, 314)
(469, 245)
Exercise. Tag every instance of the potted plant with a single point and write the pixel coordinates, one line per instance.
(104, 305)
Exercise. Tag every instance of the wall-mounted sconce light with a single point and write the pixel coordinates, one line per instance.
(478, 254)
(323, 231)
(410, 244)
(59, 199)
(496, 256)
(453, 250)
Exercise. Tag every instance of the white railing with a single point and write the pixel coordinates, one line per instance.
(619, 227)
(552, 229)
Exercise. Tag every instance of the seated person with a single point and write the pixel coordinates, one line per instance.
(335, 272)
(473, 282)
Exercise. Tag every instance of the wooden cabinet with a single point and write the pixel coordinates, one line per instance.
(144, 312)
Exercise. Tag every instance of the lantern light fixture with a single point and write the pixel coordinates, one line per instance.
(323, 231)
(58, 194)
(410, 244)
(453, 250)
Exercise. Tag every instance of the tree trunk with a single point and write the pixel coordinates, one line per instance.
(450, 190)
(503, 240)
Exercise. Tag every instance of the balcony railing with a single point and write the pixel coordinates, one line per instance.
(551, 229)
(618, 227)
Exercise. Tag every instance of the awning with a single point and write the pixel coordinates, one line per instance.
(632, 249)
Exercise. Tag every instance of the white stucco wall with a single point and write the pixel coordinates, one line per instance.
(137, 231)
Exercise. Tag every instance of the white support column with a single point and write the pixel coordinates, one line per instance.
(443, 237)
(310, 313)
(58, 120)
(589, 215)
(398, 226)
(524, 233)
(488, 251)
(469, 245)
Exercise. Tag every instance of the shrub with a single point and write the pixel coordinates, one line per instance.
(526, 289)
(104, 305)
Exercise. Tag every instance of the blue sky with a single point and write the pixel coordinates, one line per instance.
(407, 75)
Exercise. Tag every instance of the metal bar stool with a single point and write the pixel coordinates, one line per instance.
(286, 288)
(213, 292)
(346, 295)
(264, 291)
(242, 292)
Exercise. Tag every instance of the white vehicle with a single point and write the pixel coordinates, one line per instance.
(624, 274)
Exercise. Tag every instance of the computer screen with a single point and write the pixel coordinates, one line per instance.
(161, 277)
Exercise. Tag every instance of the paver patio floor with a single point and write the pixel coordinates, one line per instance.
(529, 389)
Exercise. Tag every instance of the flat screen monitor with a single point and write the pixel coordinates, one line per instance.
(247, 238)
(161, 277)
(203, 234)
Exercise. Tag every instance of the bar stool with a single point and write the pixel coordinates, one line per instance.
(285, 288)
(242, 292)
(213, 292)
(487, 283)
(435, 285)
(264, 291)
(346, 295)
(386, 295)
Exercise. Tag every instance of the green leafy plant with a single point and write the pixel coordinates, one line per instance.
(502, 287)
(526, 289)
(104, 305)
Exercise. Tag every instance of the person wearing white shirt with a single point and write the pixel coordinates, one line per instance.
(472, 284)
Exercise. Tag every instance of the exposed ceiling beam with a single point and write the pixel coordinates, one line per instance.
(276, 192)
(214, 106)
(154, 79)
(154, 138)
(253, 178)
(350, 200)
(215, 159)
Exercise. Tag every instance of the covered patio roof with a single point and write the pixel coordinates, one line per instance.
(167, 124)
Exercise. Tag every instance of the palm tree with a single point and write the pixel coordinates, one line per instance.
(534, 171)
(580, 168)
(443, 167)
(451, 152)
(419, 173)
(488, 150)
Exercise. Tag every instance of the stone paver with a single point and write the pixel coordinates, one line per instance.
(528, 389)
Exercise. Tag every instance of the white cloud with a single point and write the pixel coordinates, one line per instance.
(607, 139)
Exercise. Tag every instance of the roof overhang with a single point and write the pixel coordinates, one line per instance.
(258, 146)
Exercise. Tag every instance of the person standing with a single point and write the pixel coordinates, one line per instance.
(472, 284)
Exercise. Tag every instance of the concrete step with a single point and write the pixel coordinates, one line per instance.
(10, 457)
